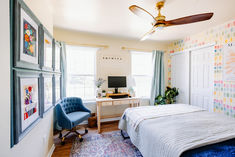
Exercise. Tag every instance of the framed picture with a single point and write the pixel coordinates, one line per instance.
(46, 57)
(56, 57)
(47, 91)
(229, 62)
(26, 102)
(57, 88)
(27, 38)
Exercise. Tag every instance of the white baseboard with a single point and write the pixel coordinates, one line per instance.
(51, 150)
(110, 119)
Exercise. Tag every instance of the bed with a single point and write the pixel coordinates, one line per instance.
(179, 130)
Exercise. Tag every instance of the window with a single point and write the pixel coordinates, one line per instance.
(81, 63)
(141, 69)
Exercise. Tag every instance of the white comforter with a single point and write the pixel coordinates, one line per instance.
(136, 115)
(171, 135)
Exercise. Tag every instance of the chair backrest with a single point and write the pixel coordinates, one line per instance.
(71, 104)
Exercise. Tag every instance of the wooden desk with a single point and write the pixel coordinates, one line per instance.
(100, 102)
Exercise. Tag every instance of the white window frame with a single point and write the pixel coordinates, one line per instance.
(139, 75)
(79, 75)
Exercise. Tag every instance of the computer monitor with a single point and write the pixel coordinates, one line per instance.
(116, 82)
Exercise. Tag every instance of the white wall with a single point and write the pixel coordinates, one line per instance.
(104, 67)
(39, 141)
(109, 67)
(5, 78)
(43, 9)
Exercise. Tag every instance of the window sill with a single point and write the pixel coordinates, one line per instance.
(88, 102)
(144, 98)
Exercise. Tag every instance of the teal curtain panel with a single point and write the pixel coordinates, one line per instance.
(158, 79)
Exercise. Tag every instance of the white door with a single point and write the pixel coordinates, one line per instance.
(180, 76)
(202, 78)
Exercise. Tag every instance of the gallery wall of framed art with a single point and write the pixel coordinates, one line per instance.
(35, 69)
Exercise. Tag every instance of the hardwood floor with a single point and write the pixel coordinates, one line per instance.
(64, 151)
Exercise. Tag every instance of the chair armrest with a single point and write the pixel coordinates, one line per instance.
(62, 118)
(83, 108)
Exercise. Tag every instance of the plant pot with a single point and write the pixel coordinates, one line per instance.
(92, 122)
(98, 92)
(103, 94)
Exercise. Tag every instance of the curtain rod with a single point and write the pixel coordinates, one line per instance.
(135, 49)
(87, 45)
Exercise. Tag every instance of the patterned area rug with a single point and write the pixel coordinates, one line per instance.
(109, 144)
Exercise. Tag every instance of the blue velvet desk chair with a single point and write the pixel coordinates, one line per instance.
(70, 112)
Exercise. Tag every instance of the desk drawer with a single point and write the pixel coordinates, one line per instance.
(135, 101)
(124, 102)
(107, 103)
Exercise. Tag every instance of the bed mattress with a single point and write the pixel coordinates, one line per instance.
(182, 134)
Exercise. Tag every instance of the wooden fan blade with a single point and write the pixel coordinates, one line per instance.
(189, 19)
(142, 13)
(148, 34)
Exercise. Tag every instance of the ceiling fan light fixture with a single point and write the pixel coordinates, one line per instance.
(160, 22)
(160, 27)
(160, 18)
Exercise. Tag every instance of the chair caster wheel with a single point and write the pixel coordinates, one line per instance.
(62, 141)
(80, 138)
(86, 131)
(60, 136)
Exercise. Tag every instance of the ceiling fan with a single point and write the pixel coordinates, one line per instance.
(159, 22)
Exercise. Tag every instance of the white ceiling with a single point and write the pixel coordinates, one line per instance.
(112, 17)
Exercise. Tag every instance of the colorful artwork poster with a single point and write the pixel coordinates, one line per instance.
(48, 97)
(57, 57)
(47, 51)
(229, 62)
(29, 101)
(57, 88)
(28, 39)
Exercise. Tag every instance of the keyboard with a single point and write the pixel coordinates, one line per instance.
(118, 96)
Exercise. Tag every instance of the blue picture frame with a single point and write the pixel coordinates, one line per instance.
(27, 35)
(46, 92)
(47, 49)
(57, 84)
(56, 56)
(26, 96)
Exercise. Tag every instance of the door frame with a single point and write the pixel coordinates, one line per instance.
(189, 57)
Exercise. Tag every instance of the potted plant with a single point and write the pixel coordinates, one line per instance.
(103, 93)
(98, 84)
(169, 96)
